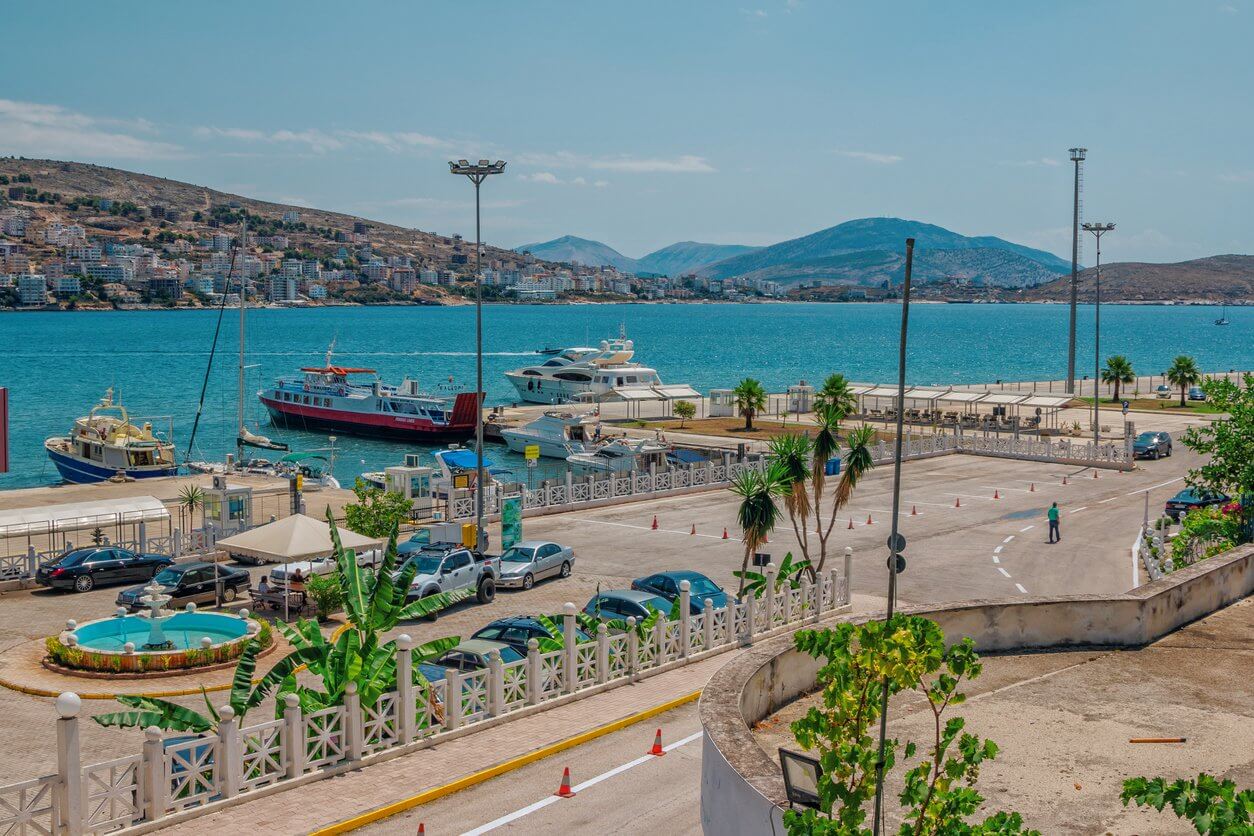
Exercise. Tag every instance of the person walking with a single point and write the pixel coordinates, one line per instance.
(1054, 535)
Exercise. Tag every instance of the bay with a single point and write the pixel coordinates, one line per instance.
(56, 365)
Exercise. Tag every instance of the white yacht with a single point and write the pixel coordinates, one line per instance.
(583, 374)
(620, 456)
(558, 434)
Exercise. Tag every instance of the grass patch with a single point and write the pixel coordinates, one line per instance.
(1159, 405)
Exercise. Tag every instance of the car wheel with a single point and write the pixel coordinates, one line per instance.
(486, 591)
(434, 615)
(84, 583)
(228, 594)
(528, 581)
(565, 573)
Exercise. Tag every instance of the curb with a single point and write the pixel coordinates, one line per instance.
(389, 810)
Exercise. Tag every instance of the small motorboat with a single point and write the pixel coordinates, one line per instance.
(106, 445)
(558, 434)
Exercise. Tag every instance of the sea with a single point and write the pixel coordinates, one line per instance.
(56, 365)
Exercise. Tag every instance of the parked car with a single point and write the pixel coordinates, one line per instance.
(666, 584)
(531, 560)
(192, 583)
(1163, 392)
(1190, 499)
(517, 630)
(1151, 445)
(447, 567)
(625, 603)
(84, 569)
(1196, 393)
(324, 566)
(470, 655)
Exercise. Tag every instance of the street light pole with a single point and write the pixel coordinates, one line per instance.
(1077, 157)
(1098, 230)
(477, 173)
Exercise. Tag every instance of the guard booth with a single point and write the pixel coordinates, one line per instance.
(412, 482)
(722, 403)
(228, 508)
(801, 398)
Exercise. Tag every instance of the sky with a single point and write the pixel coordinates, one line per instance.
(645, 123)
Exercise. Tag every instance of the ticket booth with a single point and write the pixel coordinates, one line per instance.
(722, 403)
(228, 509)
(413, 483)
(801, 398)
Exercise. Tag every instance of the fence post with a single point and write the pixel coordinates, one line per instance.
(230, 756)
(659, 640)
(570, 678)
(807, 606)
(533, 671)
(69, 806)
(750, 617)
(707, 623)
(294, 735)
(353, 732)
(32, 561)
(603, 653)
(406, 709)
(633, 647)
(496, 685)
(685, 617)
(155, 785)
(176, 543)
(452, 698)
(143, 537)
(768, 592)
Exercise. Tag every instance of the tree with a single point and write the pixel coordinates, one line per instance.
(1212, 805)
(1227, 444)
(907, 653)
(1183, 373)
(758, 512)
(191, 497)
(836, 393)
(750, 400)
(685, 410)
(376, 512)
(1118, 371)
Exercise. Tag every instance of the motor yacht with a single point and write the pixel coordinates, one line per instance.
(558, 434)
(581, 374)
(621, 455)
(105, 444)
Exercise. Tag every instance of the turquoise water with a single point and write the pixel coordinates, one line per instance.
(184, 629)
(56, 365)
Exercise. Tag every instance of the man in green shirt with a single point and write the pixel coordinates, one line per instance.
(1054, 536)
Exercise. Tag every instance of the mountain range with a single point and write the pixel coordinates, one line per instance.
(867, 251)
(1216, 278)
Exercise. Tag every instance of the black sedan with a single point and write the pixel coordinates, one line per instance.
(1191, 499)
(192, 583)
(82, 570)
(1151, 445)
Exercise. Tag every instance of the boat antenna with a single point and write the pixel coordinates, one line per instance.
(213, 350)
(330, 350)
(243, 300)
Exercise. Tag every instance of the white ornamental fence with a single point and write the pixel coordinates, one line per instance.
(182, 776)
(21, 565)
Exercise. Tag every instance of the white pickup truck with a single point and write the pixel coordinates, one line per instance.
(447, 567)
(323, 566)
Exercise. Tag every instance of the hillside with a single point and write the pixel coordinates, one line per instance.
(1217, 278)
(870, 251)
(687, 257)
(575, 250)
(73, 180)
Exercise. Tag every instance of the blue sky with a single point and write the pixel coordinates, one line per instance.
(642, 123)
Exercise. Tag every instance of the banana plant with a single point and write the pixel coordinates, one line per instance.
(553, 623)
(789, 573)
(644, 626)
(172, 717)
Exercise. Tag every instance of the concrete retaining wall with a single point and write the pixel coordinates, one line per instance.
(742, 789)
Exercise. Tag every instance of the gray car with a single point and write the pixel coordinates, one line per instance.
(532, 560)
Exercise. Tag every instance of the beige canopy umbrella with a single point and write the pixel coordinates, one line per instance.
(292, 539)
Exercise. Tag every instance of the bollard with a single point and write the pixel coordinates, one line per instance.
(707, 622)
(570, 669)
(156, 787)
(354, 734)
(496, 684)
(69, 763)
(406, 710)
(768, 592)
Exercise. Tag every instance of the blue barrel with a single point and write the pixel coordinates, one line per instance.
(832, 468)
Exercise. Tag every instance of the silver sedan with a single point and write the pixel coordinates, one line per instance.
(531, 560)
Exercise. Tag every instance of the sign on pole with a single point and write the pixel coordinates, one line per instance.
(511, 521)
(531, 452)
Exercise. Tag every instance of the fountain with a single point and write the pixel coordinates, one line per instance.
(155, 598)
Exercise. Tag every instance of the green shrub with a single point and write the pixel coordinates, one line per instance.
(327, 595)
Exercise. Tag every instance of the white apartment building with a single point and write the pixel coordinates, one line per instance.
(32, 290)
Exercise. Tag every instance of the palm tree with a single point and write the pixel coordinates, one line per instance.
(1118, 371)
(1183, 373)
(835, 393)
(750, 399)
(858, 462)
(191, 497)
(758, 512)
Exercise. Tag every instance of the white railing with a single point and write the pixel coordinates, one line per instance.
(176, 775)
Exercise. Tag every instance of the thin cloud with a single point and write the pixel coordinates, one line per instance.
(683, 164)
(870, 156)
(32, 129)
(321, 142)
(1045, 161)
(1237, 177)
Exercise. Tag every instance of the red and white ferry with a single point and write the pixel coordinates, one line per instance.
(323, 400)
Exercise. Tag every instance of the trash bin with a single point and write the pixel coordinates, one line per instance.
(832, 467)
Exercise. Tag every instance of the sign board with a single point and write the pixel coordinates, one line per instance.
(531, 452)
(761, 559)
(1125, 407)
(461, 481)
(511, 521)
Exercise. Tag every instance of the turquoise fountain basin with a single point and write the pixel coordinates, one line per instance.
(184, 630)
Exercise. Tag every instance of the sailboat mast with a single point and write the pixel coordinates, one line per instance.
(243, 297)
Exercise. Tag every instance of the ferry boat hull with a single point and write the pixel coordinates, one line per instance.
(82, 472)
(374, 425)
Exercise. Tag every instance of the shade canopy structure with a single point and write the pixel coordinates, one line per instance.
(293, 539)
(921, 395)
(677, 390)
(77, 516)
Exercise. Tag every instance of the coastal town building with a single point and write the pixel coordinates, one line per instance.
(32, 290)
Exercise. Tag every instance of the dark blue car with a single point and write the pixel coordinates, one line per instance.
(666, 584)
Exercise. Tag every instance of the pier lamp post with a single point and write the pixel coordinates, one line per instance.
(1077, 158)
(477, 173)
(1098, 230)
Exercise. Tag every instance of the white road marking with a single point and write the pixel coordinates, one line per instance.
(553, 799)
(1019, 586)
(1008, 539)
(996, 559)
(1104, 501)
(935, 504)
(1004, 488)
(1078, 510)
(997, 550)
(969, 495)
(1140, 491)
(1026, 528)
(1003, 571)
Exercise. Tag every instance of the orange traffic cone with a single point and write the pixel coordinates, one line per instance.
(957, 502)
(868, 519)
(996, 495)
(694, 529)
(564, 791)
(655, 522)
(422, 828)
(914, 512)
(851, 523)
(657, 745)
(724, 532)
(1094, 473)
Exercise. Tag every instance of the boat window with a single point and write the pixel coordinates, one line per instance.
(631, 378)
(620, 381)
(532, 372)
(306, 400)
(276, 393)
(554, 362)
(95, 454)
(576, 376)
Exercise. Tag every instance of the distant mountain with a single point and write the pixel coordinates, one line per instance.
(870, 251)
(575, 250)
(688, 257)
(1217, 278)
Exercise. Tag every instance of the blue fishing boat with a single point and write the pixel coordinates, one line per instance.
(105, 444)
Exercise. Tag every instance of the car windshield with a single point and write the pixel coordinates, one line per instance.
(168, 577)
(509, 654)
(703, 586)
(660, 604)
(1147, 437)
(518, 555)
(427, 565)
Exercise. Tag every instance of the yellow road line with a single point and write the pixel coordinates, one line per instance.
(389, 810)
